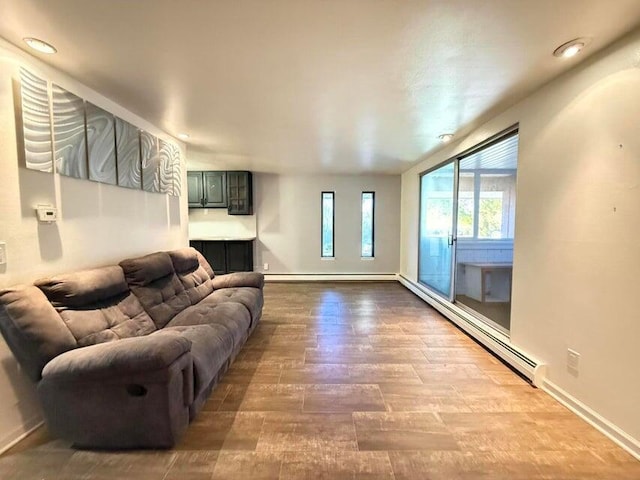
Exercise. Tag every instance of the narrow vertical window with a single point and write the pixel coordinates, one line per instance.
(328, 219)
(368, 200)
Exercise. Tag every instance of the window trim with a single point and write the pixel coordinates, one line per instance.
(373, 223)
(333, 224)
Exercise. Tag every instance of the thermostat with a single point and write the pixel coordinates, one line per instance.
(47, 213)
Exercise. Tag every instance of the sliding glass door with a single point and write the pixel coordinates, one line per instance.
(467, 216)
(437, 218)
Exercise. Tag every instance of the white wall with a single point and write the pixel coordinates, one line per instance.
(288, 221)
(577, 241)
(98, 225)
(216, 222)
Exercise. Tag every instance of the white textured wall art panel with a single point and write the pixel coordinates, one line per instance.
(170, 172)
(128, 154)
(101, 145)
(36, 122)
(176, 166)
(150, 162)
(70, 147)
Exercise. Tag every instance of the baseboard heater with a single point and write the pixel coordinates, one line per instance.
(492, 339)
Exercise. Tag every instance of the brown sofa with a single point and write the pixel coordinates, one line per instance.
(125, 356)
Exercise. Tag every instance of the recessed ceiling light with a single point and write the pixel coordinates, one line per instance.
(183, 136)
(570, 49)
(40, 45)
(446, 137)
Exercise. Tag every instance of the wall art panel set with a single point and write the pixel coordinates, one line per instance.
(85, 141)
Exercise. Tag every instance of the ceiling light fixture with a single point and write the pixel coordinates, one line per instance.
(183, 136)
(570, 49)
(446, 137)
(40, 45)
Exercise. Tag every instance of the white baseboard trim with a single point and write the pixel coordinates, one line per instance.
(491, 338)
(329, 277)
(617, 435)
(20, 434)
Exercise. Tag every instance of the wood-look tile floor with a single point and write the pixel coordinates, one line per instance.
(358, 381)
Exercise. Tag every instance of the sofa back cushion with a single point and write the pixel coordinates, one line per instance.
(205, 264)
(32, 328)
(97, 305)
(153, 280)
(194, 277)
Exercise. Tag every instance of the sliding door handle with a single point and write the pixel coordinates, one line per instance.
(450, 240)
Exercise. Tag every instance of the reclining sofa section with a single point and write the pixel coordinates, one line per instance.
(125, 356)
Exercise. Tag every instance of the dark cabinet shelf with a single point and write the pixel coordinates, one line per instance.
(226, 256)
(215, 189)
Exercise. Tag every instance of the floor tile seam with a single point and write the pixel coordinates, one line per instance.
(84, 476)
(355, 430)
(171, 464)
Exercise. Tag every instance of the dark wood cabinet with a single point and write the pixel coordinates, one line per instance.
(240, 193)
(239, 256)
(195, 192)
(216, 255)
(215, 189)
(226, 256)
(207, 189)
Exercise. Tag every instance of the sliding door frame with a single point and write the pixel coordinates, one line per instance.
(498, 137)
(454, 221)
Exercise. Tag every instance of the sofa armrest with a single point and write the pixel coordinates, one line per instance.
(238, 279)
(127, 357)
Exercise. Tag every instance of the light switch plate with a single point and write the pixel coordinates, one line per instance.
(3, 253)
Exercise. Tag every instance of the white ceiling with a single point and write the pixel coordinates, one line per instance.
(314, 85)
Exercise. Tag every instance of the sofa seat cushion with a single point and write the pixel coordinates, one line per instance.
(97, 305)
(250, 297)
(211, 347)
(153, 280)
(195, 279)
(233, 316)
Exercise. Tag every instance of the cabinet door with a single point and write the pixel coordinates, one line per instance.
(197, 244)
(215, 189)
(195, 192)
(239, 256)
(215, 254)
(239, 193)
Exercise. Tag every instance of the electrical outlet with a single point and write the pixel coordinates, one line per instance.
(265, 266)
(573, 361)
(3, 253)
